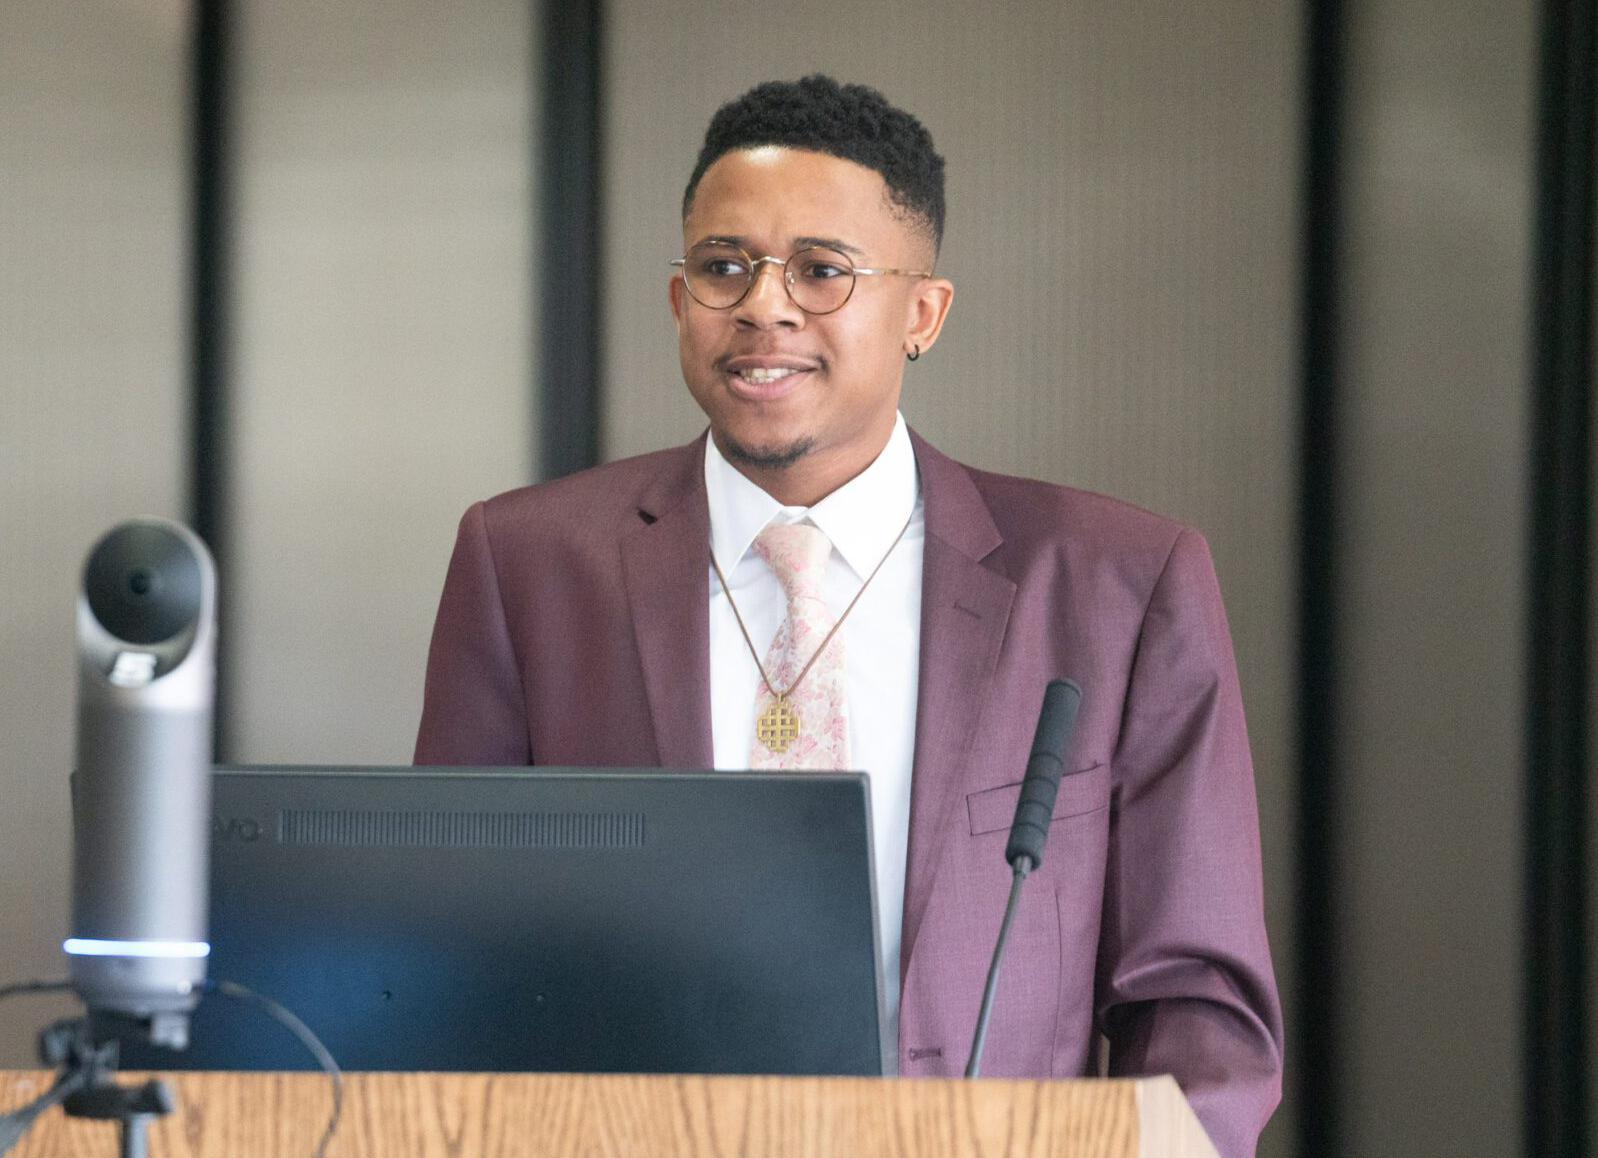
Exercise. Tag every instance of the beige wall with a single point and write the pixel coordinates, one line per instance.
(382, 369)
(1438, 200)
(1123, 198)
(92, 401)
(381, 377)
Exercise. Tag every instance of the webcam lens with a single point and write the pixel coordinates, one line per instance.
(143, 583)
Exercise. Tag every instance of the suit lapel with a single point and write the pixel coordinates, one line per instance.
(965, 608)
(664, 567)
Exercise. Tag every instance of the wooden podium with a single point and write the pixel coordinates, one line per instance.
(422, 1115)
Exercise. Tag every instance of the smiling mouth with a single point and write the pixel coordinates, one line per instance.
(760, 374)
(766, 378)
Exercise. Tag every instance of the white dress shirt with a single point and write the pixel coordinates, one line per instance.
(882, 642)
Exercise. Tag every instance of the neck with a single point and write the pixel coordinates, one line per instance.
(808, 479)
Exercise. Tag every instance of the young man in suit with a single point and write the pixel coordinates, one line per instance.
(810, 584)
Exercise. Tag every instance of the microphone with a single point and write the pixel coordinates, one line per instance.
(1029, 832)
(141, 791)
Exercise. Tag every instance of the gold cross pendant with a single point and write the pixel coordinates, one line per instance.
(778, 726)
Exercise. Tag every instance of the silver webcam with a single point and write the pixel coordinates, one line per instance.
(141, 789)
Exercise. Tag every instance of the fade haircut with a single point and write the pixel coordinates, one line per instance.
(849, 121)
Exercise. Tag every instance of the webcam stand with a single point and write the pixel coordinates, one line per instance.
(88, 1070)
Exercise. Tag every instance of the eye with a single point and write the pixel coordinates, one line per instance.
(822, 270)
(821, 265)
(718, 263)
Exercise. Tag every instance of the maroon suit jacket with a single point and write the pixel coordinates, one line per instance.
(573, 630)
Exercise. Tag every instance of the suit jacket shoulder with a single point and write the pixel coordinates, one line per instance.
(549, 646)
(604, 500)
(1073, 547)
(1030, 513)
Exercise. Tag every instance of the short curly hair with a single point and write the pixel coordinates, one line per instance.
(849, 121)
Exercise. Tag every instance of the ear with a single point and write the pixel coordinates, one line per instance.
(928, 307)
(674, 290)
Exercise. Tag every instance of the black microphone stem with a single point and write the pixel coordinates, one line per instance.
(1022, 866)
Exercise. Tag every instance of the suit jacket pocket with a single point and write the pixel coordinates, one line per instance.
(1086, 790)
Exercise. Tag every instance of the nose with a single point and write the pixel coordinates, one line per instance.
(767, 303)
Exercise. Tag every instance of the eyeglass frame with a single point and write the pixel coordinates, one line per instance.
(787, 285)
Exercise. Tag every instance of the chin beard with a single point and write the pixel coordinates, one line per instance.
(770, 458)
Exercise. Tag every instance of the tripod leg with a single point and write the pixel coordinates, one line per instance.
(135, 1135)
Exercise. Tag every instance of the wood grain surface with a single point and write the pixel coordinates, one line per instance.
(423, 1115)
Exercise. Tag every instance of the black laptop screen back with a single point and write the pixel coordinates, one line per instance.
(542, 920)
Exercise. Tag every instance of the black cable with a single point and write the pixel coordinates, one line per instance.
(974, 1063)
(300, 1030)
(34, 987)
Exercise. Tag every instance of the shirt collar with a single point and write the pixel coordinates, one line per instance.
(862, 517)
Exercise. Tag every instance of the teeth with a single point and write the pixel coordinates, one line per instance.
(762, 374)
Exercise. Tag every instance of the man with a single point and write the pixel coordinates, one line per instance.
(815, 586)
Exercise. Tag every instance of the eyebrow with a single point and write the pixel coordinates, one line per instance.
(798, 244)
(829, 243)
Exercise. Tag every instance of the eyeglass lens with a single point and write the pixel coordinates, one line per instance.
(719, 275)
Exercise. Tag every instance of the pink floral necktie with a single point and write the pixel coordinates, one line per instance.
(797, 554)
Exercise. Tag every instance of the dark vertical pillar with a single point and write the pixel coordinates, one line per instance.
(1316, 1043)
(208, 314)
(1556, 738)
(571, 172)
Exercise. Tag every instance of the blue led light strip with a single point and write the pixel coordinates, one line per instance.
(88, 947)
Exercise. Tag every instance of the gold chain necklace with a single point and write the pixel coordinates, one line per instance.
(779, 725)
